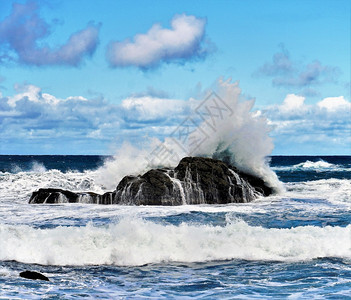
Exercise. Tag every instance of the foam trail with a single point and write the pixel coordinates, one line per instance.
(242, 138)
(134, 242)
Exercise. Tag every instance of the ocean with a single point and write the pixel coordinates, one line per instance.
(294, 245)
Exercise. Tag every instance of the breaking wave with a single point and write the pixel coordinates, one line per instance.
(318, 166)
(333, 189)
(133, 242)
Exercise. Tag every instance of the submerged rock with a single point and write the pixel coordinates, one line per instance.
(33, 275)
(196, 180)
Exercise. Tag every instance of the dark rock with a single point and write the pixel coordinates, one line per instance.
(33, 275)
(107, 198)
(195, 180)
(155, 187)
(53, 196)
(259, 185)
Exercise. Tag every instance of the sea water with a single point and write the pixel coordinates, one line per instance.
(293, 245)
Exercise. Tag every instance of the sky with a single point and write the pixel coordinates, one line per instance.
(84, 76)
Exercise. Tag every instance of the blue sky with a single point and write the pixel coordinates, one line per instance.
(82, 77)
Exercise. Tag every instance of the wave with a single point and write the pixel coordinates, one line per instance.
(317, 166)
(134, 242)
(334, 190)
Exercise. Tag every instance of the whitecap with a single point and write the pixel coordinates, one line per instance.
(133, 242)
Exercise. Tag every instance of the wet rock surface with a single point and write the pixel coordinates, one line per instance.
(196, 180)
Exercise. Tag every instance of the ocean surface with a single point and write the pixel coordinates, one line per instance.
(295, 245)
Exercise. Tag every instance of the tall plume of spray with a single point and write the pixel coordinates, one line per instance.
(225, 129)
(242, 139)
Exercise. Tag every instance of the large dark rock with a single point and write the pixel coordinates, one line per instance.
(213, 181)
(195, 180)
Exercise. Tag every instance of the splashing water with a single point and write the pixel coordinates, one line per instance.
(240, 138)
(243, 138)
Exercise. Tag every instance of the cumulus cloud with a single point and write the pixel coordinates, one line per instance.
(287, 73)
(335, 104)
(22, 31)
(292, 103)
(323, 127)
(185, 40)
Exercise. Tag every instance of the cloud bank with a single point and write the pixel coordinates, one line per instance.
(185, 40)
(45, 123)
(22, 31)
(35, 122)
(32, 121)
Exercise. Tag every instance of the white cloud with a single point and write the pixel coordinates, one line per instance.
(183, 41)
(323, 127)
(292, 102)
(30, 92)
(335, 104)
(33, 93)
(150, 108)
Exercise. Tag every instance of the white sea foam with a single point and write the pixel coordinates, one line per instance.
(137, 242)
(316, 165)
(334, 190)
(17, 186)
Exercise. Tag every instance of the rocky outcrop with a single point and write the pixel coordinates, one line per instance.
(196, 180)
